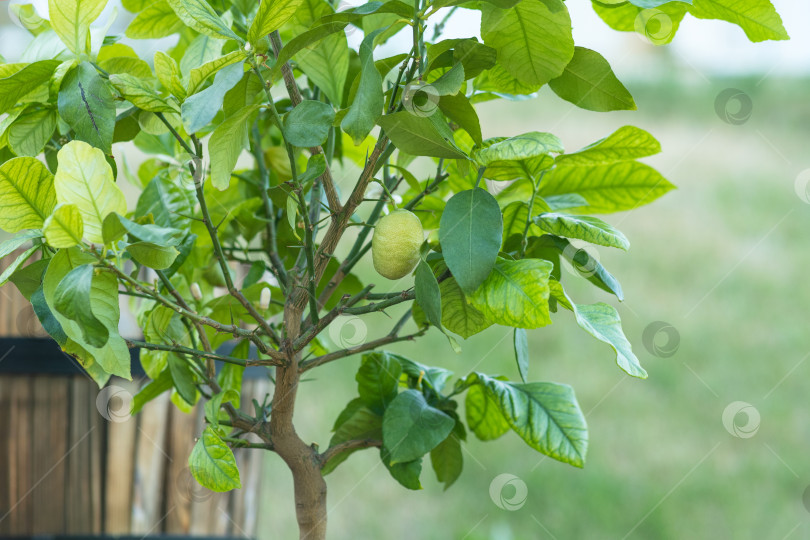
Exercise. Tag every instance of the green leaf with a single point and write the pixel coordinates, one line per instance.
(84, 178)
(647, 4)
(30, 131)
(183, 378)
(64, 228)
(360, 423)
(72, 300)
(608, 188)
(16, 85)
(602, 321)
(447, 460)
(153, 255)
(12, 244)
(225, 145)
(624, 144)
(86, 104)
(545, 415)
(458, 316)
(167, 202)
(484, 416)
(203, 49)
(156, 20)
(450, 82)
(212, 463)
(200, 109)
(270, 16)
(168, 73)
(521, 343)
(116, 225)
(16, 263)
(515, 293)
(589, 83)
(152, 390)
(428, 294)
(432, 377)
(326, 63)
(418, 136)
(458, 109)
(378, 380)
(368, 102)
(407, 473)
(470, 234)
(27, 195)
(200, 74)
(588, 267)
(71, 19)
(533, 38)
(658, 26)
(758, 18)
(522, 156)
(308, 124)
(412, 428)
(590, 229)
(200, 16)
(142, 94)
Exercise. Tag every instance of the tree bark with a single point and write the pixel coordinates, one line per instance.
(301, 458)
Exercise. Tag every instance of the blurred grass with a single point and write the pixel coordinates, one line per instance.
(723, 259)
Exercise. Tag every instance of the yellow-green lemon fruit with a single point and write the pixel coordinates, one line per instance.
(395, 244)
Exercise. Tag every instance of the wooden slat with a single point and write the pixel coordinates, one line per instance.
(21, 474)
(49, 449)
(77, 494)
(151, 457)
(6, 383)
(178, 497)
(120, 460)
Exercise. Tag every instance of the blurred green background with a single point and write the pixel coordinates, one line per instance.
(723, 260)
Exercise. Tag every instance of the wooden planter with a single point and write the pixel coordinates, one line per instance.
(72, 460)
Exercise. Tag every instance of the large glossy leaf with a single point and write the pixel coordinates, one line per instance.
(484, 416)
(64, 228)
(533, 38)
(27, 195)
(167, 202)
(589, 83)
(200, 109)
(200, 16)
(588, 228)
(212, 463)
(368, 102)
(378, 380)
(418, 135)
(225, 145)
(522, 156)
(86, 104)
(141, 94)
(470, 234)
(447, 460)
(17, 84)
(624, 144)
(307, 125)
(412, 428)
(458, 109)
(72, 300)
(153, 255)
(458, 316)
(515, 293)
(71, 19)
(270, 16)
(545, 415)
(758, 18)
(84, 178)
(608, 188)
(326, 63)
(113, 358)
(156, 20)
(602, 321)
(30, 131)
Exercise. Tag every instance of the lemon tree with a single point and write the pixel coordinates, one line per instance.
(235, 228)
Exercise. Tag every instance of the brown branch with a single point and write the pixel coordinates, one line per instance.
(343, 353)
(354, 444)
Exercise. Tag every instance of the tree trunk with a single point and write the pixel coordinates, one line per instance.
(302, 459)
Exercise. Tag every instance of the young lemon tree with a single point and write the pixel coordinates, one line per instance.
(259, 250)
